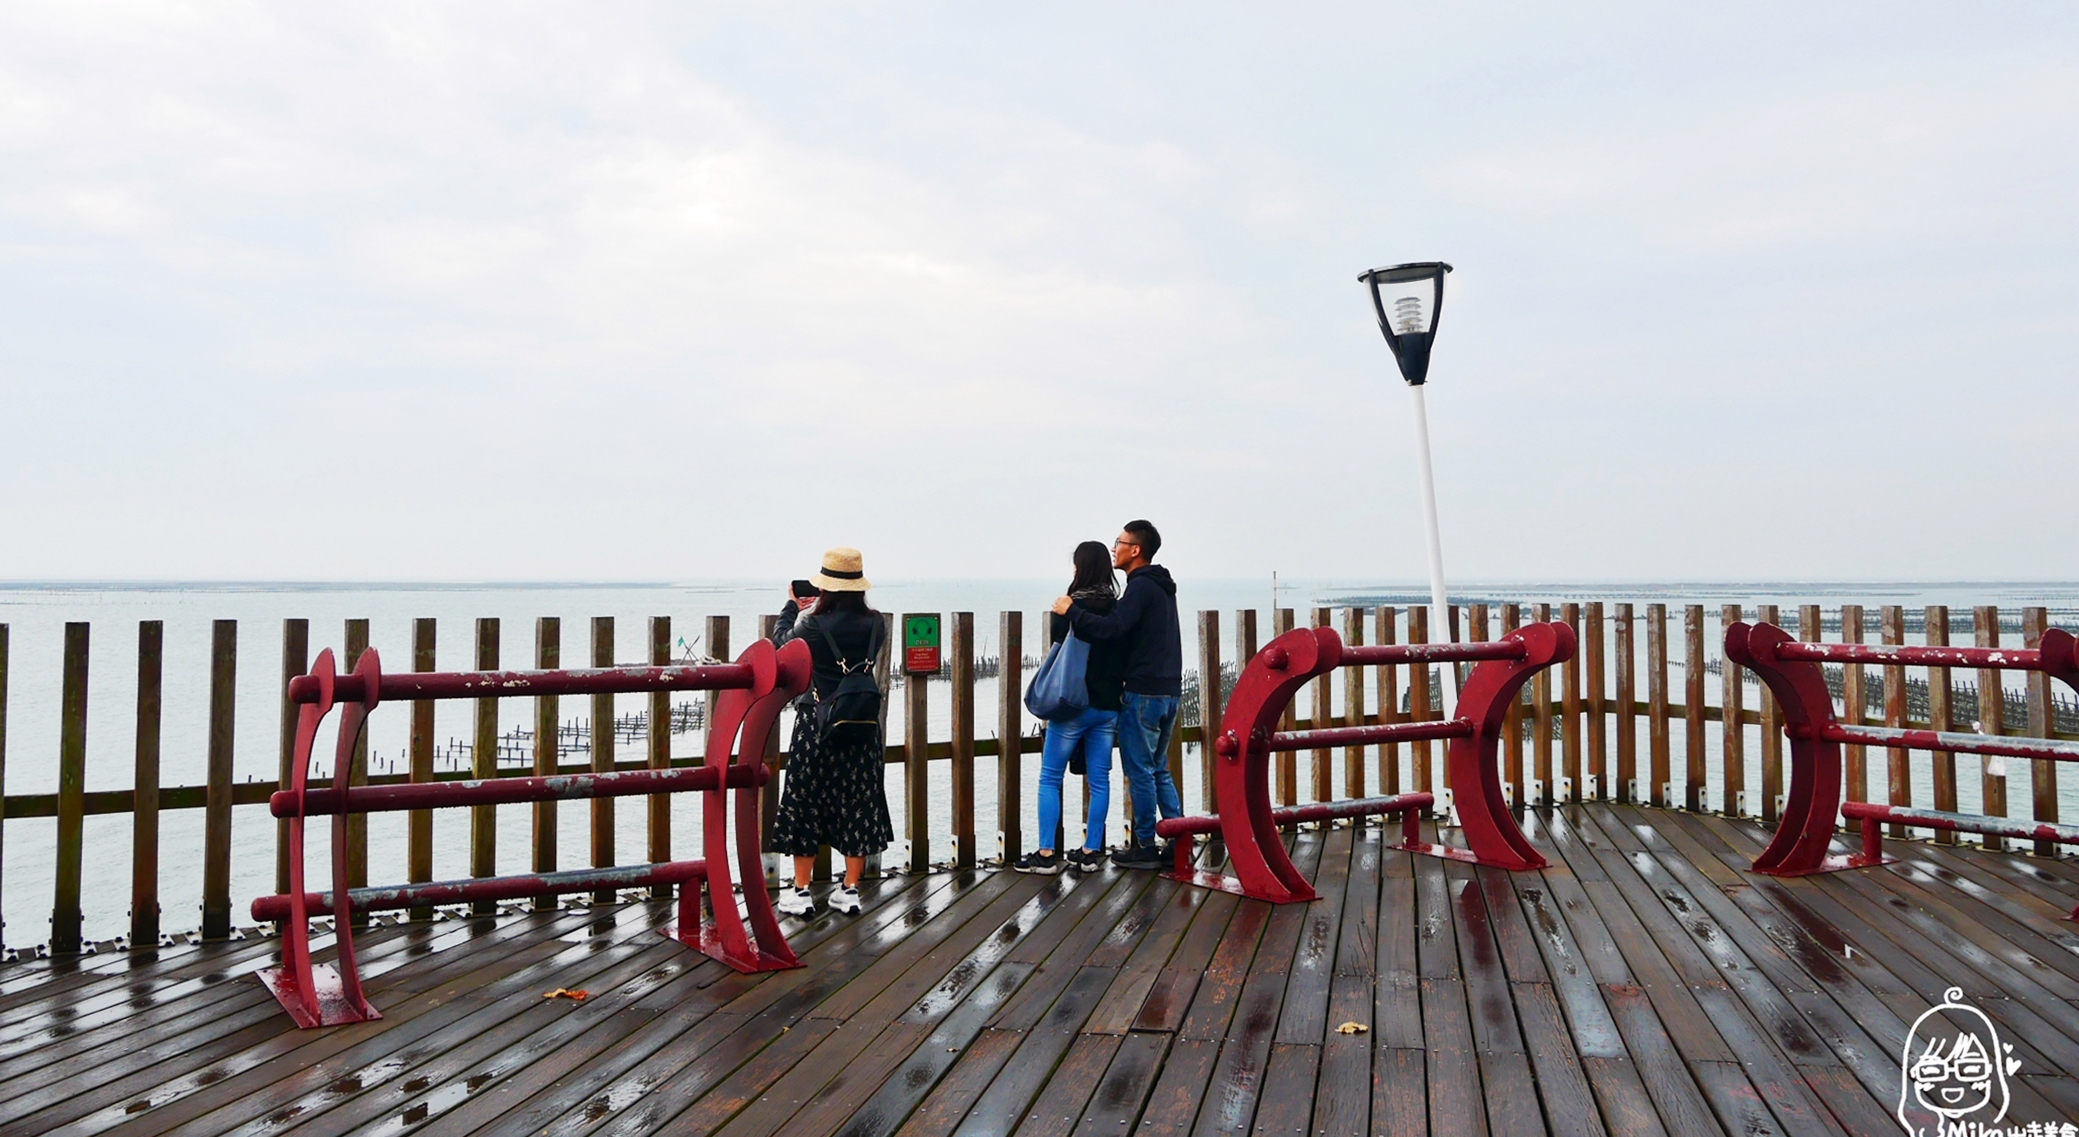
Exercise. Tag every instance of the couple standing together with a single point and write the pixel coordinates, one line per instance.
(1134, 674)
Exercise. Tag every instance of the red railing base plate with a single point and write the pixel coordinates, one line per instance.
(1835, 863)
(711, 946)
(1465, 856)
(334, 1009)
(1231, 884)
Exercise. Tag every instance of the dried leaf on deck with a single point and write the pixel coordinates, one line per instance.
(1352, 1028)
(567, 993)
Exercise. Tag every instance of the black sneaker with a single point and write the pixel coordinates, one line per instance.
(1141, 857)
(1086, 860)
(1046, 864)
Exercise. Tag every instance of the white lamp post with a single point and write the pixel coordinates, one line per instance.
(1408, 299)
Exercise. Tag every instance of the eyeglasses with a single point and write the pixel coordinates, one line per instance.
(1122, 543)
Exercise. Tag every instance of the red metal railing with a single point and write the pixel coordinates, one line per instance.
(1249, 824)
(1792, 670)
(753, 689)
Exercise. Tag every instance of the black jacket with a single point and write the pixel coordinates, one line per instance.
(1105, 673)
(1144, 623)
(853, 632)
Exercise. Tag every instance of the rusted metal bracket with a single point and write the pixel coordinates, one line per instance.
(753, 689)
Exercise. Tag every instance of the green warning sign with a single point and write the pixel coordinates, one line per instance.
(920, 645)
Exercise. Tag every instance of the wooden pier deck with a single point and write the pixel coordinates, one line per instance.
(1645, 984)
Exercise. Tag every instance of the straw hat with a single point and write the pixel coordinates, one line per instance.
(843, 571)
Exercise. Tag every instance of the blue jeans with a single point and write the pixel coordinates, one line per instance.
(1093, 731)
(1145, 723)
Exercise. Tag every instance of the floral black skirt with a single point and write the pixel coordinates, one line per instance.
(833, 794)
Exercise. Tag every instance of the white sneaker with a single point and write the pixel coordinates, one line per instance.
(796, 902)
(845, 899)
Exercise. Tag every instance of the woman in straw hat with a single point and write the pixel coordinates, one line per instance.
(834, 791)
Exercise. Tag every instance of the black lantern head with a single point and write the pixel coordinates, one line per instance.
(1408, 298)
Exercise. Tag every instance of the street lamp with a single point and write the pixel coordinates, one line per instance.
(1408, 298)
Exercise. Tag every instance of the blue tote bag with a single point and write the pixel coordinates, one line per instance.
(1058, 690)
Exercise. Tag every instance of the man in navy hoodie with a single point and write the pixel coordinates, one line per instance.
(1145, 620)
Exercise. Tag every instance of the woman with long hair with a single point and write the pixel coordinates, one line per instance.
(1090, 733)
(835, 792)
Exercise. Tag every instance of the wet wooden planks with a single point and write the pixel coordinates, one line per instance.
(1645, 983)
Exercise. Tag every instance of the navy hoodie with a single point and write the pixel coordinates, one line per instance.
(1145, 622)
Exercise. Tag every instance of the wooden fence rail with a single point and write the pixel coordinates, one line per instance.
(1571, 733)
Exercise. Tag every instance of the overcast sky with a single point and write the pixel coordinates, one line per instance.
(596, 292)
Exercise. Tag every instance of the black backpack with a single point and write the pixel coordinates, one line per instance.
(855, 706)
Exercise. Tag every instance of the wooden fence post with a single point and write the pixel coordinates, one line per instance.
(1732, 724)
(1541, 721)
(1941, 717)
(963, 695)
(295, 661)
(1659, 758)
(2042, 723)
(357, 775)
(659, 805)
(1854, 703)
(1570, 707)
(1992, 719)
(1324, 716)
(1693, 708)
(1353, 707)
(72, 790)
(1899, 770)
(548, 656)
(1596, 705)
(144, 822)
(419, 840)
(3, 757)
(1771, 735)
(603, 756)
(1512, 722)
(1212, 694)
(483, 762)
(1388, 682)
(216, 826)
(1010, 736)
(1288, 760)
(916, 767)
(1418, 698)
(1627, 711)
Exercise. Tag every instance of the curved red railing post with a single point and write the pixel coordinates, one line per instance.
(352, 1006)
(294, 983)
(1813, 803)
(782, 676)
(1491, 832)
(1254, 849)
(722, 935)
